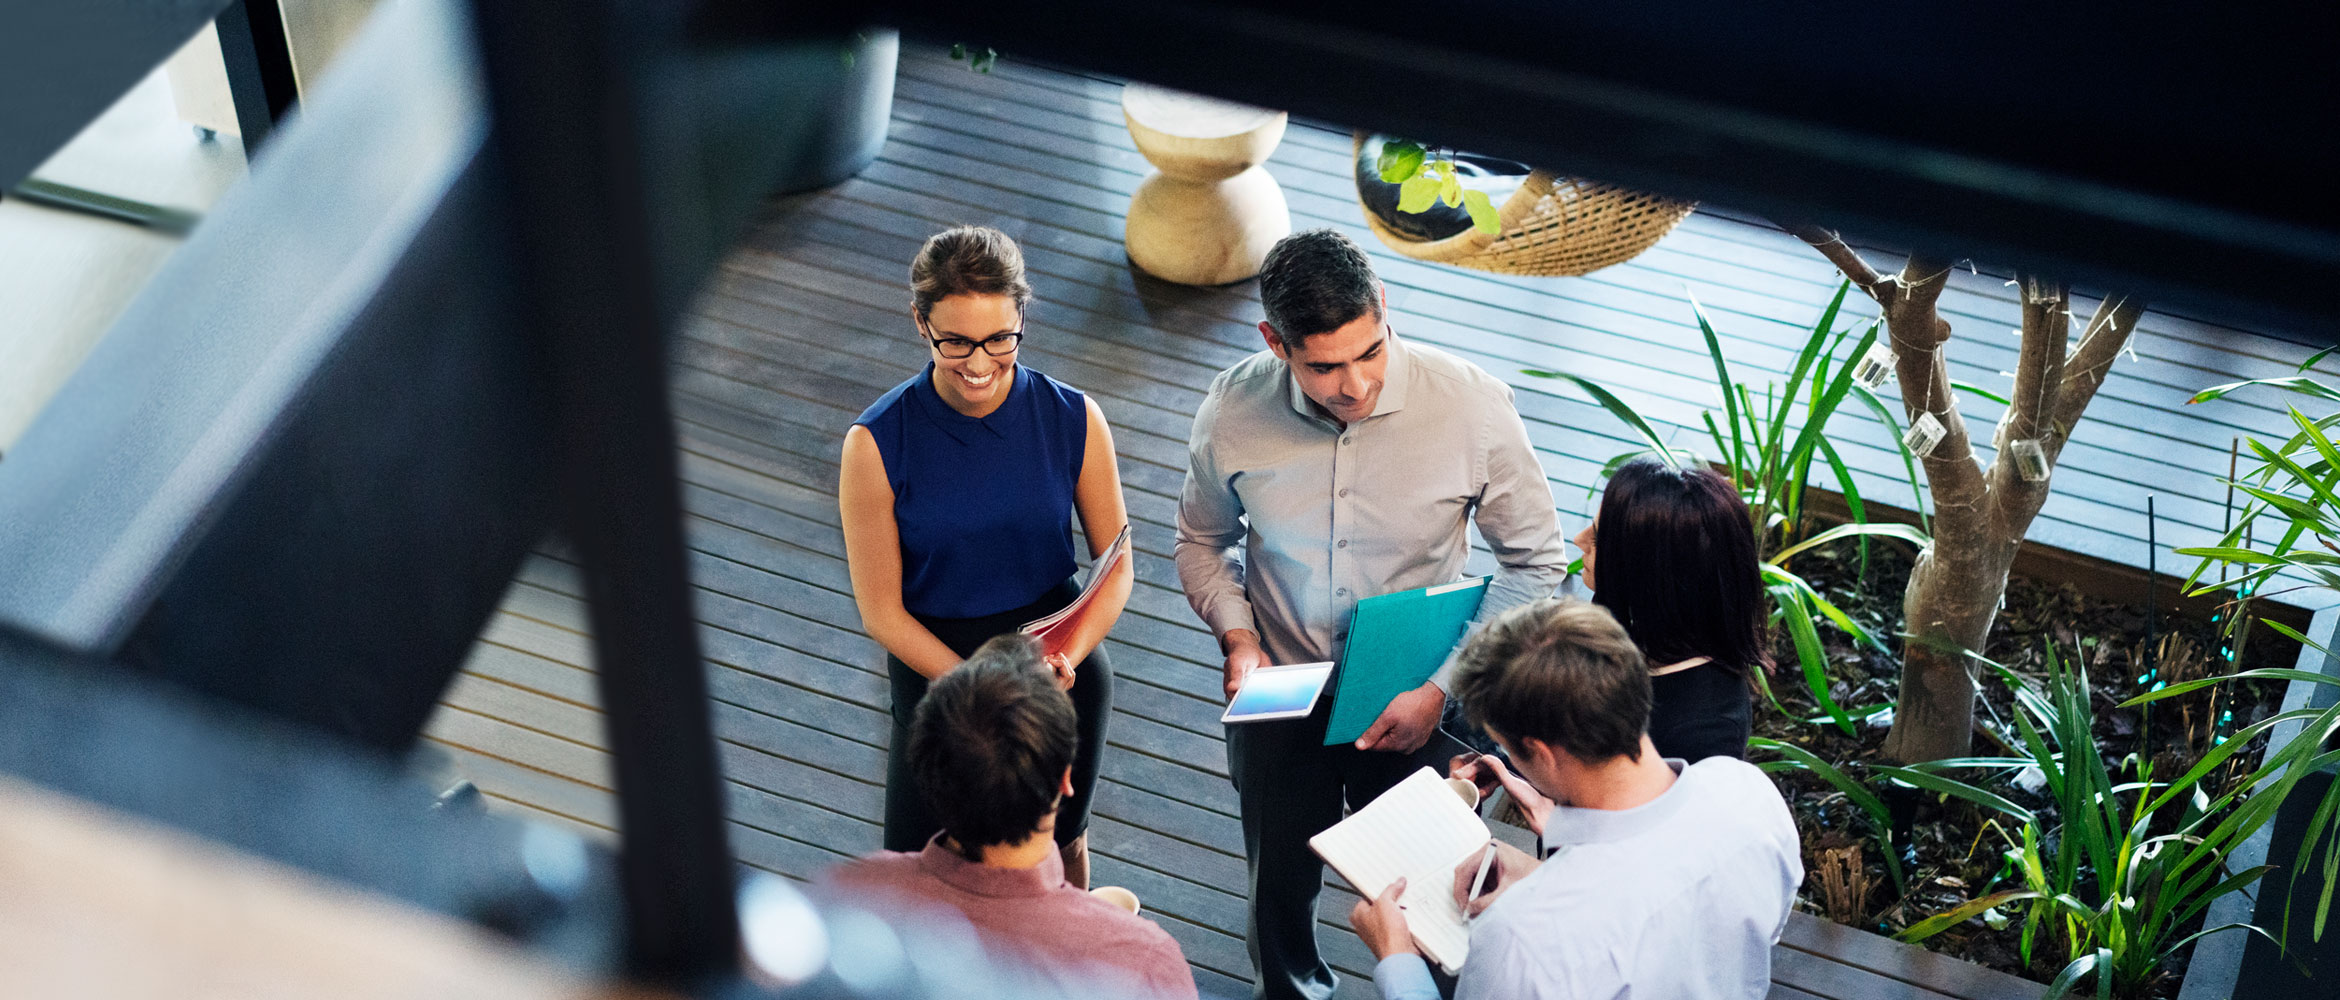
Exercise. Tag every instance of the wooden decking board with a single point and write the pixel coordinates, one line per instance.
(1623, 374)
(2083, 535)
(2079, 453)
(1909, 963)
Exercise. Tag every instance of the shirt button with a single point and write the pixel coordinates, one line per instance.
(1342, 592)
(1344, 492)
(1342, 544)
(1344, 440)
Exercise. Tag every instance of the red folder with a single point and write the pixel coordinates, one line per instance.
(1055, 631)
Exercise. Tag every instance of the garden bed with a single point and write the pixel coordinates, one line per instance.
(1953, 851)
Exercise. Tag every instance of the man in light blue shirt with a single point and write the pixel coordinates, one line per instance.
(1663, 880)
(1342, 462)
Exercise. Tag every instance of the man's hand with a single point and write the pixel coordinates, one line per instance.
(1061, 665)
(1243, 657)
(1511, 865)
(1381, 923)
(1408, 721)
(1489, 772)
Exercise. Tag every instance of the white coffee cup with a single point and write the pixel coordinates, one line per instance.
(1117, 896)
(1467, 791)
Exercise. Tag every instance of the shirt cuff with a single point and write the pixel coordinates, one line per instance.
(1227, 616)
(1405, 976)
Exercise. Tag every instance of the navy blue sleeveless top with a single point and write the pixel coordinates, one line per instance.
(984, 506)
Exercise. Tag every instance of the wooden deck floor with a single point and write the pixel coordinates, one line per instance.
(803, 327)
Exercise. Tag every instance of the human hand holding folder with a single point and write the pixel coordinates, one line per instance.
(1396, 643)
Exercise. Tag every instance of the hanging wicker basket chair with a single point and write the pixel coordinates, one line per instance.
(1551, 226)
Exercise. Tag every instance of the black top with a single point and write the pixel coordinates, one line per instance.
(1705, 711)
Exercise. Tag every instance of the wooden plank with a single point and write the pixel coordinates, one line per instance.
(1826, 978)
(2076, 462)
(1909, 963)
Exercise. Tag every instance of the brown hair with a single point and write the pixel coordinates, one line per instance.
(967, 260)
(1316, 281)
(1563, 672)
(990, 742)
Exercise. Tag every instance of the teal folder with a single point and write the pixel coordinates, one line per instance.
(1396, 641)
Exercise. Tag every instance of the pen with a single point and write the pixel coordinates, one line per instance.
(1479, 881)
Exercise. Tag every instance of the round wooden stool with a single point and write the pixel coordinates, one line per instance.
(1210, 214)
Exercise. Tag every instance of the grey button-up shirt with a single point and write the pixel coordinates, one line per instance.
(1288, 518)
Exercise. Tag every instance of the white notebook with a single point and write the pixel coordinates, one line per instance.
(1419, 831)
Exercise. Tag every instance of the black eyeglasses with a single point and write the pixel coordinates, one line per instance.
(997, 345)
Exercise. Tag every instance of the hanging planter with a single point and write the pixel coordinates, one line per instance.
(1542, 224)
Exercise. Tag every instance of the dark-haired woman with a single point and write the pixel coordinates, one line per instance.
(1680, 574)
(957, 493)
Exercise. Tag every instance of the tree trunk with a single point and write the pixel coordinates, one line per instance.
(1950, 605)
(1980, 515)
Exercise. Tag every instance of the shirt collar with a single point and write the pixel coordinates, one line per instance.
(990, 880)
(959, 426)
(1568, 826)
(1394, 381)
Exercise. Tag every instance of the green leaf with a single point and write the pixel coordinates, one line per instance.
(958, 50)
(1878, 530)
(1947, 919)
(1617, 408)
(1450, 189)
(1483, 214)
(2291, 383)
(1809, 652)
(1885, 416)
(1956, 789)
(2318, 356)
(1399, 160)
(2082, 966)
(1804, 760)
(1417, 194)
(1980, 391)
(1775, 576)
(984, 60)
(1722, 377)
(2224, 554)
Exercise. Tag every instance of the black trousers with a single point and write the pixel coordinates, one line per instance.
(1290, 787)
(910, 822)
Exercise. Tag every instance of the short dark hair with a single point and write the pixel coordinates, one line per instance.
(967, 260)
(1316, 281)
(990, 743)
(1683, 581)
(1559, 671)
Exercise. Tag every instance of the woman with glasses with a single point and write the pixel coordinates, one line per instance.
(957, 493)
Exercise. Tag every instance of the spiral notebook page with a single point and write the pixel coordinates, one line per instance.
(1418, 831)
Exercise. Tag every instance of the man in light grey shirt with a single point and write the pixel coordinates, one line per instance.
(1341, 463)
(1664, 880)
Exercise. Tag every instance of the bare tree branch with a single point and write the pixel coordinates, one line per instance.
(1847, 260)
(2105, 335)
(2039, 369)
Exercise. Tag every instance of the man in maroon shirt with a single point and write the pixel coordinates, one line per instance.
(992, 748)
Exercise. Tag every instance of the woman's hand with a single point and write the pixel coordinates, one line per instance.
(1062, 666)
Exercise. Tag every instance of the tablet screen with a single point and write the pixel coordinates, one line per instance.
(1279, 692)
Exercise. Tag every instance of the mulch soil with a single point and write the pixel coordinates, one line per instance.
(1952, 850)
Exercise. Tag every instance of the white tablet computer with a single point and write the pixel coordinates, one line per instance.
(1278, 693)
